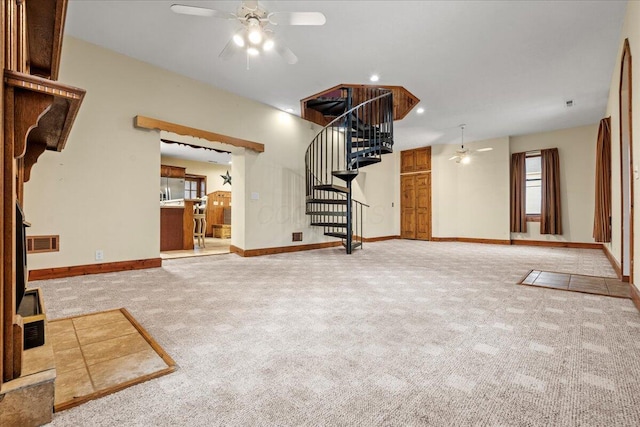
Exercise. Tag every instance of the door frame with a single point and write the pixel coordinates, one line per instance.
(626, 170)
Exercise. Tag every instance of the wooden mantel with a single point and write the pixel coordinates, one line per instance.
(155, 124)
(37, 115)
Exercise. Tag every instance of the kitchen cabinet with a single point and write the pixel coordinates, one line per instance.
(172, 171)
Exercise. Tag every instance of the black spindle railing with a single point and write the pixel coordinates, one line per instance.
(356, 138)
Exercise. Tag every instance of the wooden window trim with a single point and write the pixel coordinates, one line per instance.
(198, 179)
(533, 218)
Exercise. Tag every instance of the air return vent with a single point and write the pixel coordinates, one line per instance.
(296, 237)
(37, 244)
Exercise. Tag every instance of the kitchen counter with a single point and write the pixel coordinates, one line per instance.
(176, 225)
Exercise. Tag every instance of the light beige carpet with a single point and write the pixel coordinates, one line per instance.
(403, 333)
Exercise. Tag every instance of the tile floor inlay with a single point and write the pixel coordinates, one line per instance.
(101, 353)
(608, 286)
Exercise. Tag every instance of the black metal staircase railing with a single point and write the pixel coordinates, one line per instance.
(354, 139)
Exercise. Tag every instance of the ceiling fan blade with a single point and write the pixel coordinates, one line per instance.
(201, 11)
(484, 149)
(296, 18)
(285, 52)
(229, 50)
(453, 157)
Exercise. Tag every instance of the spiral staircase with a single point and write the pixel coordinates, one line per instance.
(359, 131)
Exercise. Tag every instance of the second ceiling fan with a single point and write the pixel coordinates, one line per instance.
(464, 155)
(255, 37)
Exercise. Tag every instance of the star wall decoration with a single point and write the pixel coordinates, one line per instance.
(227, 178)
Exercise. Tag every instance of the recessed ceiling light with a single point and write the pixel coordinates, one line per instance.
(374, 78)
(420, 110)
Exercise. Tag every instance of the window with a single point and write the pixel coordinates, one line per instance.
(195, 186)
(533, 193)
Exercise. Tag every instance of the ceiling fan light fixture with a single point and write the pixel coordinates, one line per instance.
(268, 45)
(465, 160)
(238, 40)
(255, 36)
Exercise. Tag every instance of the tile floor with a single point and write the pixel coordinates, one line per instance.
(578, 283)
(101, 353)
(213, 246)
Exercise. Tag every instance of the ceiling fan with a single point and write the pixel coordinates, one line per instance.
(464, 155)
(255, 37)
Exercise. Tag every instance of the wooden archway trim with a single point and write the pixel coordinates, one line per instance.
(155, 124)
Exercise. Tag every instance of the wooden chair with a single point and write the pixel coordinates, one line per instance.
(199, 225)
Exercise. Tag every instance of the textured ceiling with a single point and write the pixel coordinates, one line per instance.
(503, 68)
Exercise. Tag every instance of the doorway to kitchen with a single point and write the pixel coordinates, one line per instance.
(195, 200)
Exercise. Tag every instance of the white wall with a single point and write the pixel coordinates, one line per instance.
(101, 191)
(471, 200)
(577, 151)
(212, 171)
(378, 186)
(631, 31)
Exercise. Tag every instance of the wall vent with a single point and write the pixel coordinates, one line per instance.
(37, 244)
(296, 237)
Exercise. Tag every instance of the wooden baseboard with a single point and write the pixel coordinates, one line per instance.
(635, 295)
(379, 239)
(557, 244)
(614, 262)
(471, 240)
(81, 270)
(281, 249)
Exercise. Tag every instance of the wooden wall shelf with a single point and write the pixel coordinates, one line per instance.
(43, 114)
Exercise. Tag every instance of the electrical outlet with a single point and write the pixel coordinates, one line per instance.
(99, 255)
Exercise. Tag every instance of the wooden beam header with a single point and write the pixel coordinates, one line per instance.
(143, 122)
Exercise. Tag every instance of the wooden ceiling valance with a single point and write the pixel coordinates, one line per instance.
(143, 122)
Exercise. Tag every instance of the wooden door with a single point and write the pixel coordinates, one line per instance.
(408, 207)
(415, 205)
(423, 159)
(423, 206)
(407, 161)
(415, 194)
